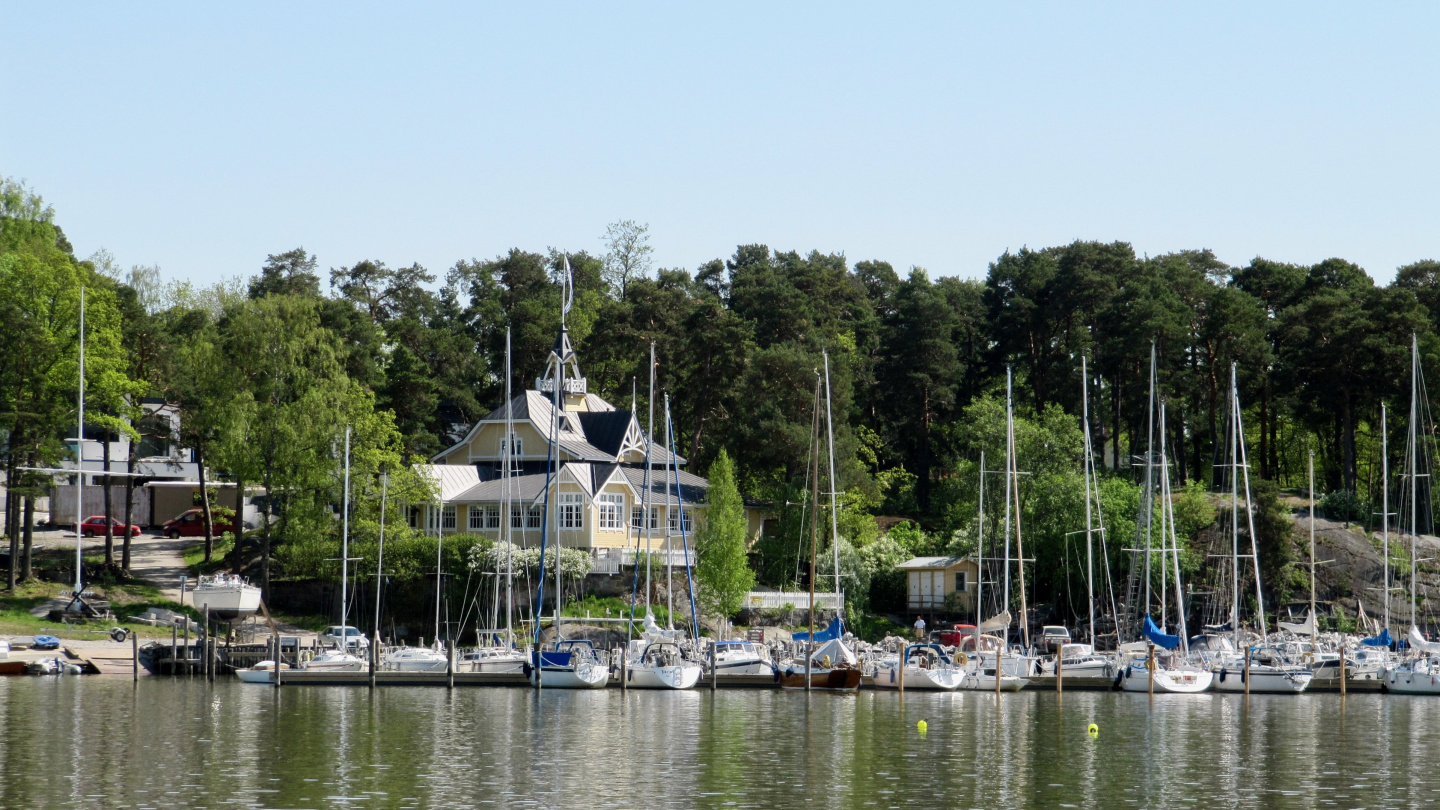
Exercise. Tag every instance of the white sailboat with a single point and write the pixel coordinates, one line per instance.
(417, 659)
(927, 667)
(657, 660)
(228, 597)
(564, 664)
(1420, 674)
(341, 659)
(984, 655)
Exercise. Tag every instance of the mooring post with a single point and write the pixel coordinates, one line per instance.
(1150, 670)
(450, 666)
(1342, 670)
(901, 676)
(174, 631)
(999, 654)
(189, 669)
(1247, 669)
(624, 676)
(714, 664)
(205, 669)
(135, 657)
(1059, 668)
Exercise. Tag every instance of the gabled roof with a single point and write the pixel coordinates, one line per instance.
(692, 487)
(590, 477)
(449, 479)
(933, 562)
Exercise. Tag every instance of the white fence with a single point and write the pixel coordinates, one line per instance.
(611, 560)
(769, 600)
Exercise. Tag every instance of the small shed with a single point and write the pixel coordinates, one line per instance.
(932, 580)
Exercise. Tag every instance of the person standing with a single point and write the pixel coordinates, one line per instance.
(919, 628)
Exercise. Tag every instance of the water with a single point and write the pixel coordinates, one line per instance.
(101, 742)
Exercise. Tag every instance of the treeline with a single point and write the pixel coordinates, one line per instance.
(269, 369)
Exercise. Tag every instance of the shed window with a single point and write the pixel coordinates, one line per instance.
(960, 584)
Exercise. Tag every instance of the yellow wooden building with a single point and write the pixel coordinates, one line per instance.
(597, 499)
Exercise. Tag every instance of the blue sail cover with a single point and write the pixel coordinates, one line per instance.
(1158, 638)
(1382, 640)
(832, 631)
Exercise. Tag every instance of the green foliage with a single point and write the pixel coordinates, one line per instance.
(721, 569)
(1344, 506)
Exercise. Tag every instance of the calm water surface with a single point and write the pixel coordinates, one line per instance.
(101, 742)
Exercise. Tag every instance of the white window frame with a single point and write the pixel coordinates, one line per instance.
(572, 511)
(517, 515)
(637, 517)
(672, 518)
(492, 516)
(447, 517)
(475, 518)
(611, 507)
(517, 446)
(533, 518)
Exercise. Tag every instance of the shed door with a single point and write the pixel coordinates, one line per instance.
(925, 590)
(914, 588)
(939, 587)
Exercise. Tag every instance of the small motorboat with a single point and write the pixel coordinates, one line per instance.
(228, 597)
(416, 659)
(926, 667)
(833, 668)
(263, 672)
(736, 658)
(493, 659)
(336, 660)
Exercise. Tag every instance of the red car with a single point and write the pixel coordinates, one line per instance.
(94, 526)
(192, 524)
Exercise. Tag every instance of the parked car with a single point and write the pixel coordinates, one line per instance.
(94, 526)
(191, 523)
(353, 639)
(1052, 634)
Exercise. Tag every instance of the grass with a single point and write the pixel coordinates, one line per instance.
(305, 622)
(613, 608)
(127, 601)
(195, 555)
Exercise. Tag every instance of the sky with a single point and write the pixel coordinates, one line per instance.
(202, 137)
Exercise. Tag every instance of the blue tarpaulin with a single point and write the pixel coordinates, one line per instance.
(832, 631)
(1158, 638)
(1382, 640)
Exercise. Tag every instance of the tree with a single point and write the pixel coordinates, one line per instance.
(721, 569)
(627, 254)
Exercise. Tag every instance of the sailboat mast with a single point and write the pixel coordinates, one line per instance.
(1250, 514)
(1234, 512)
(1149, 510)
(980, 550)
(649, 440)
(1384, 509)
(815, 508)
(1312, 539)
(1009, 435)
(1414, 452)
(1164, 520)
(1089, 464)
(556, 410)
(1019, 540)
(507, 505)
(345, 543)
(380, 553)
(80, 462)
(834, 491)
(1168, 507)
(669, 533)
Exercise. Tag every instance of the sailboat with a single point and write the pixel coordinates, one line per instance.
(1079, 659)
(1420, 675)
(982, 655)
(1172, 672)
(658, 659)
(566, 664)
(831, 667)
(500, 653)
(340, 659)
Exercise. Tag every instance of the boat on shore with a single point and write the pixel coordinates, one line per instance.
(227, 597)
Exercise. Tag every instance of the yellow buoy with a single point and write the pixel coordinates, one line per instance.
(921, 726)
(1093, 730)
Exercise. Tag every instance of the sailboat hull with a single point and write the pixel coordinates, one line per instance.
(1407, 681)
(586, 676)
(840, 679)
(1266, 681)
(1168, 681)
(644, 676)
(944, 680)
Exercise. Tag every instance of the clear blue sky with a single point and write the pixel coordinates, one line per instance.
(201, 137)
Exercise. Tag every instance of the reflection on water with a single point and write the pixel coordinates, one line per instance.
(101, 742)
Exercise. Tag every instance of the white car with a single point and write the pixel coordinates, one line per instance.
(347, 637)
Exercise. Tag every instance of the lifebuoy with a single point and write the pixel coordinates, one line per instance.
(961, 659)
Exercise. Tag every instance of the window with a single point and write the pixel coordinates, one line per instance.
(412, 516)
(447, 519)
(517, 516)
(960, 584)
(492, 516)
(532, 518)
(637, 517)
(654, 517)
(611, 507)
(517, 446)
(477, 518)
(572, 510)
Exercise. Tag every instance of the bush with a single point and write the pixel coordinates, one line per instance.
(1346, 506)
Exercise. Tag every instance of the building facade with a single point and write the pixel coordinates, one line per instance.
(596, 501)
